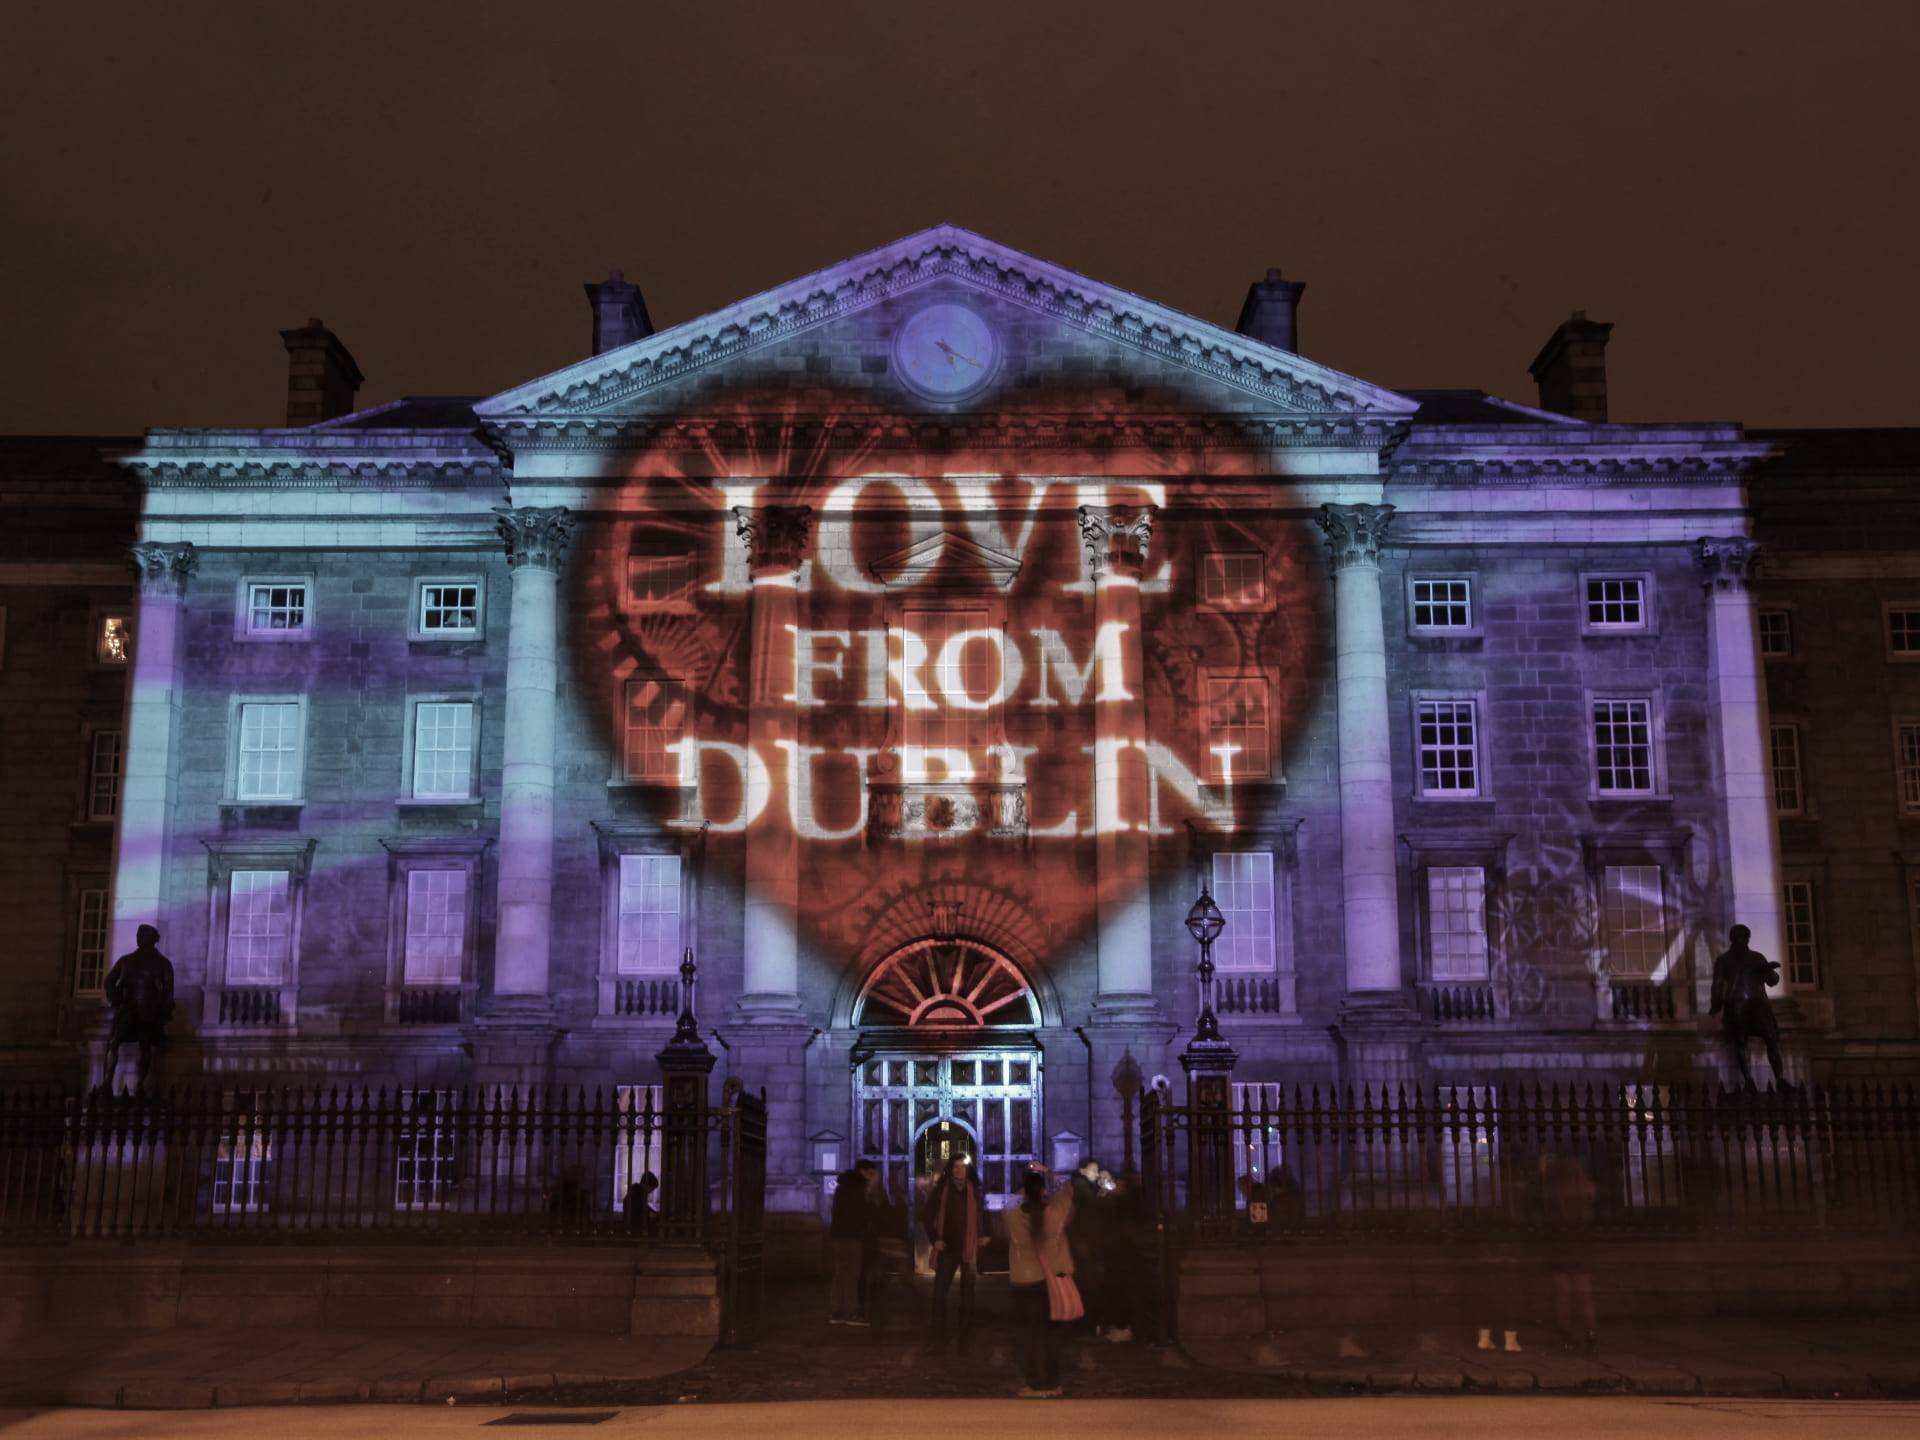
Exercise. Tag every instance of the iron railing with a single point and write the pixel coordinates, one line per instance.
(1506, 1159)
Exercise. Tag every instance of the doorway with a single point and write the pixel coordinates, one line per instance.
(913, 1111)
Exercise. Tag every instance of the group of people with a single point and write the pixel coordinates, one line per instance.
(1076, 1249)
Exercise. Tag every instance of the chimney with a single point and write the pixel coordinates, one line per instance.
(1272, 312)
(619, 313)
(321, 376)
(1571, 369)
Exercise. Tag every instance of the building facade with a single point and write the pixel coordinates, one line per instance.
(912, 644)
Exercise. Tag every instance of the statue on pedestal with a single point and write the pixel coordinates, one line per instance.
(140, 990)
(1740, 980)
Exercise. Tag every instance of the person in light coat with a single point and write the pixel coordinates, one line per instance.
(1037, 1248)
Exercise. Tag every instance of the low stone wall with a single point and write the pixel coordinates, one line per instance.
(1245, 1290)
(620, 1290)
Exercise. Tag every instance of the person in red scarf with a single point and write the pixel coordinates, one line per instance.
(955, 1221)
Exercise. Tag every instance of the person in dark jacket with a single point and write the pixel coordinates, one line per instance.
(1087, 1239)
(955, 1222)
(851, 1226)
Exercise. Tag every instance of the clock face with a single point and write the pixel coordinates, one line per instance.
(945, 352)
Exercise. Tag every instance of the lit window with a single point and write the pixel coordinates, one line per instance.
(649, 914)
(1633, 919)
(443, 750)
(425, 1150)
(1776, 632)
(1238, 743)
(1457, 922)
(1443, 604)
(1616, 602)
(259, 927)
(449, 608)
(270, 744)
(928, 717)
(1903, 632)
(1623, 747)
(276, 608)
(1233, 580)
(243, 1157)
(1449, 748)
(103, 775)
(112, 639)
(1803, 954)
(656, 718)
(436, 926)
(90, 943)
(1910, 767)
(658, 580)
(1243, 889)
(1785, 749)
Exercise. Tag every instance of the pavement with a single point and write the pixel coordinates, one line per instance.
(800, 1357)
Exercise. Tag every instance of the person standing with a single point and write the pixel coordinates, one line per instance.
(1088, 1240)
(1036, 1250)
(847, 1233)
(139, 987)
(954, 1222)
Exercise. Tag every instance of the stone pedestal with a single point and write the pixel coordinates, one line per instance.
(1379, 1042)
(1114, 1036)
(765, 1052)
(513, 1041)
(1211, 1134)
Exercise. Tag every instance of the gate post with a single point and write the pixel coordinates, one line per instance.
(685, 1064)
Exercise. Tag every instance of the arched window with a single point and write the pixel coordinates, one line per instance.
(947, 984)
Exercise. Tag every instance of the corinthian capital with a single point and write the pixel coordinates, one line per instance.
(536, 536)
(1116, 537)
(775, 535)
(1355, 533)
(164, 569)
(1727, 563)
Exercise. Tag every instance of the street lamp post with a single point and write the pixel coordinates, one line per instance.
(1204, 923)
(1209, 1061)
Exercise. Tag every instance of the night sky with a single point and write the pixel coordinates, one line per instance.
(1733, 185)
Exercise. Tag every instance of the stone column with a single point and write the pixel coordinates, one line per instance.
(1369, 871)
(774, 537)
(145, 823)
(536, 544)
(1738, 690)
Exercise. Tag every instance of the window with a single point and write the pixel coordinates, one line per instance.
(1443, 604)
(103, 775)
(1785, 750)
(259, 927)
(636, 1145)
(1457, 922)
(656, 718)
(1616, 602)
(1623, 747)
(443, 750)
(276, 609)
(659, 581)
(649, 938)
(448, 609)
(1803, 952)
(1909, 761)
(929, 718)
(1449, 748)
(243, 1157)
(1233, 580)
(1633, 920)
(112, 639)
(436, 927)
(270, 744)
(425, 1150)
(1243, 889)
(1237, 741)
(90, 943)
(1903, 631)
(1776, 633)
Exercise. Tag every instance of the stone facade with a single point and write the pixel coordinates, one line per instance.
(412, 799)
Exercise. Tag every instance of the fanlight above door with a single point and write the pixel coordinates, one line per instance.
(947, 984)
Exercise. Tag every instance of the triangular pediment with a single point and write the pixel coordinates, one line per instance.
(1049, 307)
(914, 566)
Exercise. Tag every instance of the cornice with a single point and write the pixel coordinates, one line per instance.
(293, 474)
(313, 459)
(839, 290)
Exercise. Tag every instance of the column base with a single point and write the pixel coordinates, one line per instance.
(1137, 1009)
(514, 1039)
(769, 1008)
(1379, 1040)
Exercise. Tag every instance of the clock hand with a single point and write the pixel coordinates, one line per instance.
(954, 356)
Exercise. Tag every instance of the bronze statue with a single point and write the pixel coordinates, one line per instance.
(1740, 980)
(140, 990)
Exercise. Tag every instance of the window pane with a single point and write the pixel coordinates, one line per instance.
(649, 937)
(1237, 738)
(259, 927)
(436, 927)
(1633, 920)
(269, 752)
(276, 607)
(1623, 746)
(103, 775)
(443, 749)
(90, 947)
(1776, 632)
(1243, 889)
(1803, 955)
(1233, 580)
(113, 641)
(1457, 922)
(1449, 748)
(1786, 769)
(449, 608)
(1903, 631)
(1442, 604)
(1616, 603)
(1910, 767)
(656, 718)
